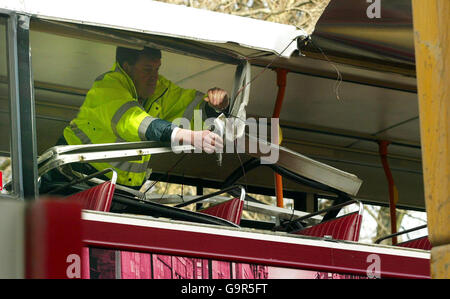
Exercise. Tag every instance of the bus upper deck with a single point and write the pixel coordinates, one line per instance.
(51, 57)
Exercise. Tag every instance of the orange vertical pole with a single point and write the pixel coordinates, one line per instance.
(281, 82)
(393, 196)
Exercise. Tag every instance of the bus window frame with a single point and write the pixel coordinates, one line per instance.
(23, 148)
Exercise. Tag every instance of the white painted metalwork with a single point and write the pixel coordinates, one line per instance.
(166, 20)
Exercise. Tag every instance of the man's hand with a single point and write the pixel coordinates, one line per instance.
(210, 142)
(217, 98)
(206, 140)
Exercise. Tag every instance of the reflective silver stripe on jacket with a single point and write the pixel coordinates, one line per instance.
(120, 112)
(130, 166)
(80, 134)
(144, 126)
(100, 78)
(189, 112)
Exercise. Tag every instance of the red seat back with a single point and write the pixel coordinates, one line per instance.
(97, 198)
(419, 243)
(230, 210)
(346, 228)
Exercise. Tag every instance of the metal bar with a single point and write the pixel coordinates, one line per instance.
(60, 155)
(135, 206)
(393, 195)
(81, 180)
(339, 206)
(175, 179)
(16, 148)
(27, 133)
(378, 241)
(238, 82)
(207, 196)
(282, 213)
(281, 82)
(23, 143)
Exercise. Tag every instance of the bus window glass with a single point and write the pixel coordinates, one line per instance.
(110, 264)
(5, 112)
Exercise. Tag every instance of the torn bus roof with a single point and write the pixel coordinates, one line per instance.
(167, 20)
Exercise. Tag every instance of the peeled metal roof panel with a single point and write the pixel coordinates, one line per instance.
(167, 20)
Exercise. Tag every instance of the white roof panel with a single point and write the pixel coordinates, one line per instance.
(167, 20)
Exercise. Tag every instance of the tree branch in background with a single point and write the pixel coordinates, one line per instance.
(303, 14)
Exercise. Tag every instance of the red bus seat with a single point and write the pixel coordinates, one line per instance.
(230, 210)
(346, 228)
(419, 243)
(97, 198)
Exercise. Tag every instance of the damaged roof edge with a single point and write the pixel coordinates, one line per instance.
(167, 20)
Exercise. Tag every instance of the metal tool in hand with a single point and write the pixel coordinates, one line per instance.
(219, 128)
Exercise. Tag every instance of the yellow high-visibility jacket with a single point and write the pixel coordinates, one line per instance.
(112, 113)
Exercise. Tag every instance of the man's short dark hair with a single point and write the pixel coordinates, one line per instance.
(131, 55)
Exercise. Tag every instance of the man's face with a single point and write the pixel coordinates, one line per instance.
(144, 74)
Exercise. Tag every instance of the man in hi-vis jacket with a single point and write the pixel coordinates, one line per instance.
(132, 102)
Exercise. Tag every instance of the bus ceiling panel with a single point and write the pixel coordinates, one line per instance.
(361, 60)
(339, 105)
(366, 155)
(394, 150)
(347, 137)
(345, 140)
(408, 127)
(293, 134)
(322, 68)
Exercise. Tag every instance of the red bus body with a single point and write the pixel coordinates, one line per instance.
(124, 246)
